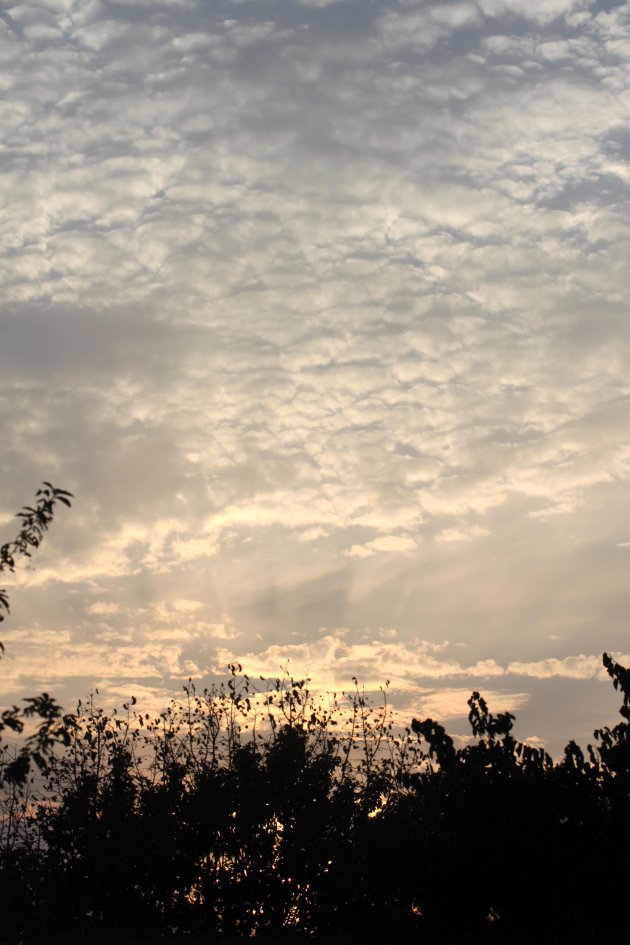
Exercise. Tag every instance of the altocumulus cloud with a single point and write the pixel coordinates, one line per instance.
(320, 309)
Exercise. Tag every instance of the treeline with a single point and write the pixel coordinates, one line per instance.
(257, 810)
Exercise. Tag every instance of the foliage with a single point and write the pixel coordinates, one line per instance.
(35, 522)
(254, 809)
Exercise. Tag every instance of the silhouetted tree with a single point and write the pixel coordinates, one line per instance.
(255, 810)
(35, 522)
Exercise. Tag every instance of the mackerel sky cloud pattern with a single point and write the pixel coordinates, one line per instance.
(320, 308)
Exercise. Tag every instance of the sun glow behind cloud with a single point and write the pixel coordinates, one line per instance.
(320, 310)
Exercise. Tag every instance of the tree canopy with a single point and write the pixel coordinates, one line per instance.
(35, 520)
(257, 810)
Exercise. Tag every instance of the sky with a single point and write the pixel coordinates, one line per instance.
(319, 308)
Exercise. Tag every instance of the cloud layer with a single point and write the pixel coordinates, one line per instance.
(320, 309)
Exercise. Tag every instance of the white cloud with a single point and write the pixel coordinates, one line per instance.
(468, 533)
(187, 606)
(284, 300)
(386, 543)
(319, 4)
(541, 11)
(569, 667)
(334, 658)
(444, 705)
(422, 26)
(103, 608)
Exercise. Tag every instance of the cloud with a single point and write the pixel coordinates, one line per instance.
(319, 305)
(468, 533)
(447, 704)
(420, 27)
(537, 10)
(387, 543)
(333, 659)
(400, 662)
(569, 667)
(103, 608)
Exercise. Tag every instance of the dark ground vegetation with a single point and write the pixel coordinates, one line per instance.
(259, 811)
(256, 810)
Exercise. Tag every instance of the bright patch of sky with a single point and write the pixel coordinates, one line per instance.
(320, 309)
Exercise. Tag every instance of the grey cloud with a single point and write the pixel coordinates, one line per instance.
(342, 269)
